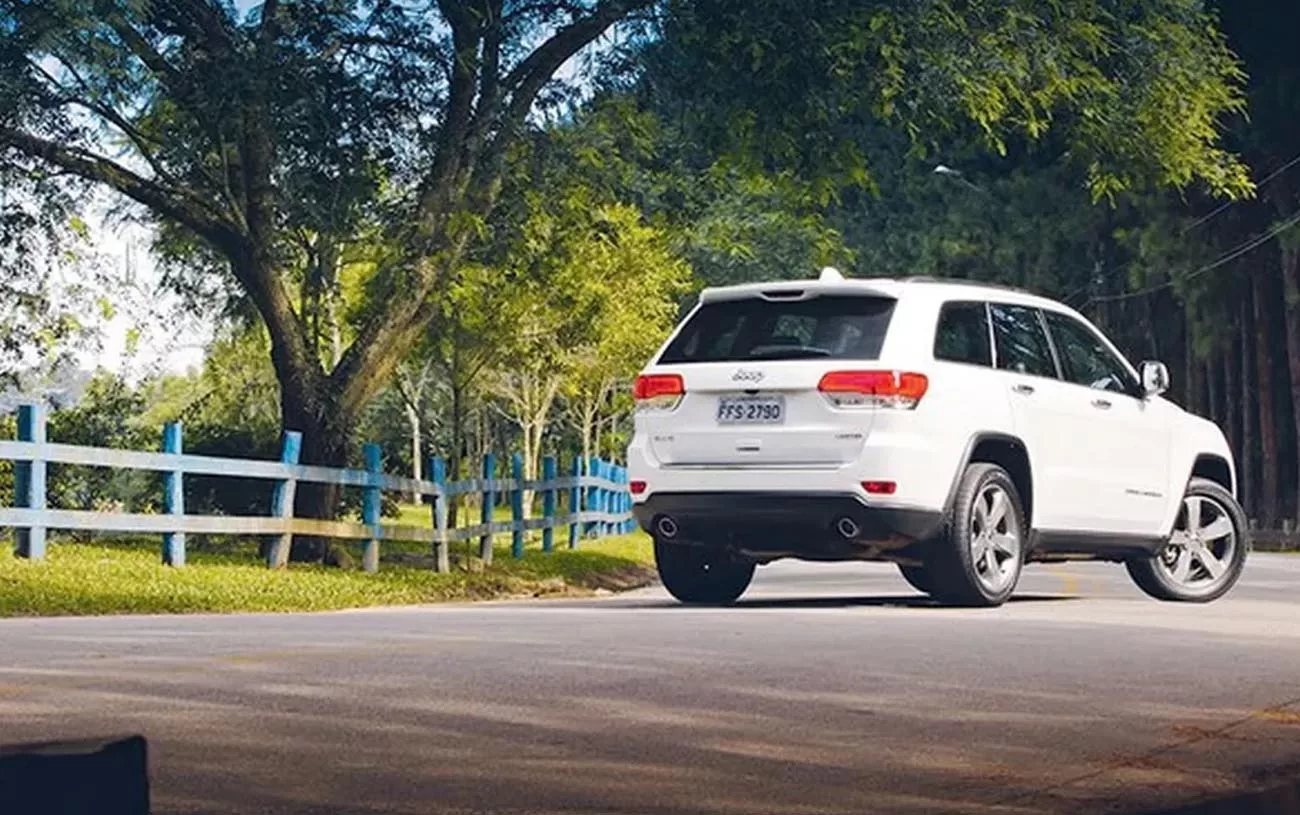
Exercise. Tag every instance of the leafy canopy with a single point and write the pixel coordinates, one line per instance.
(1137, 90)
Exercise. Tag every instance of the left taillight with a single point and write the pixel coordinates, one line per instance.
(874, 389)
(658, 391)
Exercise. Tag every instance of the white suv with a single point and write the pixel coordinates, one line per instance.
(957, 430)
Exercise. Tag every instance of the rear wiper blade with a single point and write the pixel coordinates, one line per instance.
(787, 352)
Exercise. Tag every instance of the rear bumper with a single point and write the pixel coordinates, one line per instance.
(798, 524)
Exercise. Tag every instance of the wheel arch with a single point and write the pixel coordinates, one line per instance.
(1214, 467)
(1009, 453)
(1208, 464)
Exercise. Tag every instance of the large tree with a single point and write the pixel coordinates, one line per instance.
(294, 131)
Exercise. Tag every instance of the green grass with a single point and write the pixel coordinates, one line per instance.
(117, 577)
(422, 515)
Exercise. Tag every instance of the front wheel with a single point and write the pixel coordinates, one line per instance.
(1206, 552)
(701, 575)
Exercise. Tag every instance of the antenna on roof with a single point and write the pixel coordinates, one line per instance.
(830, 273)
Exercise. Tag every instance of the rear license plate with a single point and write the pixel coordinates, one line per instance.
(751, 410)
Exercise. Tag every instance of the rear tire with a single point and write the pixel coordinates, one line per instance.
(699, 575)
(918, 577)
(1206, 552)
(978, 561)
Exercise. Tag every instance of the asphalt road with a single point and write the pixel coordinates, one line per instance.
(830, 689)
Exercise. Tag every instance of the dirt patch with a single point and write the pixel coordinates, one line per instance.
(624, 578)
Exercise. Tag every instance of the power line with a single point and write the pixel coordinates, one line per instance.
(1198, 222)
(1227, 204)
(1229, 256)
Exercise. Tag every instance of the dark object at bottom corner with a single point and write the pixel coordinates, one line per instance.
(87, 777)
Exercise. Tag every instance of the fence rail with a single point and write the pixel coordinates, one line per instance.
(595, 494)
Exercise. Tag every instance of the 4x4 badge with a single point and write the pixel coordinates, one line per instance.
(747, 376)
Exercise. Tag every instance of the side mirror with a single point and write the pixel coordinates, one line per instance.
(1155, 378)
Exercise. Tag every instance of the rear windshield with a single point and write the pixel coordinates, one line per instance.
(834, 327)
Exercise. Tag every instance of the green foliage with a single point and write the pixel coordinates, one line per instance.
(120, 579)
(107, 415)
(45, 276)
(8, 431)
(731, 224)
(1136, 92)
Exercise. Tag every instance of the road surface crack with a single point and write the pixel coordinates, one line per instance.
(1280, 712)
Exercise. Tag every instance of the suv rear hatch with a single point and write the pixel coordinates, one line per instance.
(759, 375)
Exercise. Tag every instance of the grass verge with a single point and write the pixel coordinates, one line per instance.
(125, 577)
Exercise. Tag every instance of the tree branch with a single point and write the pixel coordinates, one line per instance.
(173, 204)
(466, 34)
(528, 78)
(138, 45)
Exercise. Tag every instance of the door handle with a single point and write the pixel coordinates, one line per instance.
(1101, 404)
(1024, 390)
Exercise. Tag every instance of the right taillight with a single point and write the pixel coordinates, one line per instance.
(874, 389)
(658, 391)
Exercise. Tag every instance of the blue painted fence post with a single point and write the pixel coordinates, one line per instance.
(592, 500)
(548, 503)
(607, 501)
(173, 551)
(611, 472)
(575, 503)
(598, 498)
(629, 525)
(277, 557)
(442, 559)
(29, 482)
(619, 502)
(517, 507)
(489, 506)
(372, 506)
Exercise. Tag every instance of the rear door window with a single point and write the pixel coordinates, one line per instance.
(1021, 341)
(831, 327)
(962, 334)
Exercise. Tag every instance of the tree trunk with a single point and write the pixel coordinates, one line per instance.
(1267, 397)
(1246, 349)
(1291, 287)
(326, 430)
(457, 459)
(1230, 397)
(417, 445)
(1213, 389)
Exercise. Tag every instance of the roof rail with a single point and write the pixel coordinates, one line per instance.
(963, 281)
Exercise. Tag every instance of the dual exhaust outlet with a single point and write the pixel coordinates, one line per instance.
(667, 528)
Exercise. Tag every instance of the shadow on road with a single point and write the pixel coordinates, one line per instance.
(1283, 800)
(875, 601)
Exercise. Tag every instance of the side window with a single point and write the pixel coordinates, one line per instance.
(962, 334)
(1022, 343)
(1085, 360)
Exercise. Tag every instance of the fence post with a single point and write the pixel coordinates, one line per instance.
(517, 506)
(575, 503)
(29, 482)
(372, 506)
(592, 499)
(548, 503)
(628, 527)
(442, 560)
(607, 502)
(277, 557)
(489, 507)
(620, 503)
(173, 551)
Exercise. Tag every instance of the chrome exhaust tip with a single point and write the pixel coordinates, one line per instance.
(666, 527)
(847, 528)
